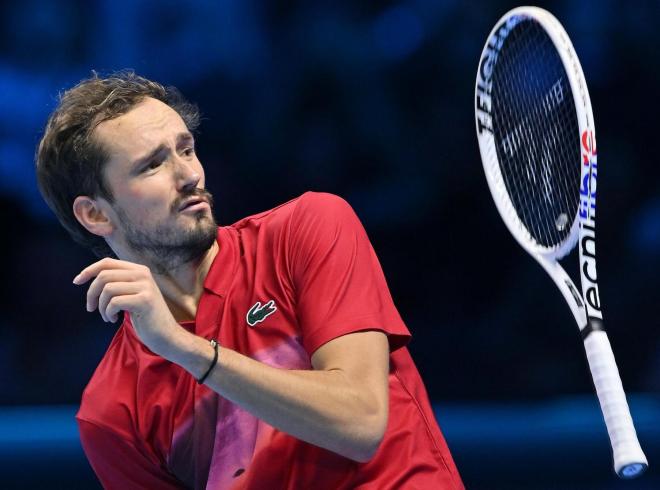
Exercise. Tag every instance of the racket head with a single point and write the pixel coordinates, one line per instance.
(543, 209)
(530, 76)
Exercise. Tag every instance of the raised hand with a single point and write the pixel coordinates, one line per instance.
(120, 285)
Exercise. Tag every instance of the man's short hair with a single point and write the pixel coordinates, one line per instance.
(70, 162)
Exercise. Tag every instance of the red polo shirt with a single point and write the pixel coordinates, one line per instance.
(284, 282)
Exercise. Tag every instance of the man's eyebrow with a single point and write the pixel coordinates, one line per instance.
(151, 155)
(184, 136)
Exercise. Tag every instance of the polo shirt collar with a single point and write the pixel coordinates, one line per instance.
(223, 268)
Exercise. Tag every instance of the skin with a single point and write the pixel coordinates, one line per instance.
(341, 405)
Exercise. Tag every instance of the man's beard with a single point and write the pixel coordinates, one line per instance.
(166, 248)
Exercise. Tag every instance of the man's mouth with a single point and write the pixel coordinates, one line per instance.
(194, 204)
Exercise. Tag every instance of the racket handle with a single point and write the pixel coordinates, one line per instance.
(629, 460)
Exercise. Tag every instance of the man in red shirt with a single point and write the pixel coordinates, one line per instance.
(265, 354)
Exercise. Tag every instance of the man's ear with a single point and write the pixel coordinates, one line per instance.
(93, 215)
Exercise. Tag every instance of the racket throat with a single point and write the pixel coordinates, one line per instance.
(593, 325)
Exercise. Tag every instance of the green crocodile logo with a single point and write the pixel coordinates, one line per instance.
(259, 313)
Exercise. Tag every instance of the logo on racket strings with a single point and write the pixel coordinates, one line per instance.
(524, 130)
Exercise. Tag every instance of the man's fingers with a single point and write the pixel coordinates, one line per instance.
(113, 279)
(94, 269)
(102, 279)
(117, 304)
(110, 292)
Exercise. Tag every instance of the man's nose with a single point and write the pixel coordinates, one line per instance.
(187, 176)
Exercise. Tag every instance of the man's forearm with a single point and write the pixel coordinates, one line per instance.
(341, 405)
(322, 407)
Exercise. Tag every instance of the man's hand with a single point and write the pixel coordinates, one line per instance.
(121, 285)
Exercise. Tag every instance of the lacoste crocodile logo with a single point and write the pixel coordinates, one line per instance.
(259, 313)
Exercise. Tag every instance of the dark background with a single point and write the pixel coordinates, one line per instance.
(373, 101)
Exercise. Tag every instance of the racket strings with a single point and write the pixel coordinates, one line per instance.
(536, 111)
(544, 226)
(536, 133)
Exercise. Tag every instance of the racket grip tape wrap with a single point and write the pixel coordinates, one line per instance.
(629, 460)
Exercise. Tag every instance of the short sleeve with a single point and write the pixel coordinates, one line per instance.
(338, 281)
(119, 465)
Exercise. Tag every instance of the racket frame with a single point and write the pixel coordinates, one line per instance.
(629, 460)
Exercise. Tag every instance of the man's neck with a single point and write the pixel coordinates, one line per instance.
(182, 286)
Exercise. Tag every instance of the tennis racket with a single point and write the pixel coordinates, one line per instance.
(538, 147)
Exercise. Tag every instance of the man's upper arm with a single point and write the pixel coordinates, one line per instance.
(339, 285)
(119, 465)
(363, 358)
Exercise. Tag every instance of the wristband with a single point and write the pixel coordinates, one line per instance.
(215, 346)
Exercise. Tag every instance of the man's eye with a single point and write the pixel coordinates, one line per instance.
(188, 151)
(153, 164)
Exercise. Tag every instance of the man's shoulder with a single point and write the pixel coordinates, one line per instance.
(320, 204)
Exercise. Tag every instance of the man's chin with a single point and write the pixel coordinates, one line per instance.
(200, 216)
(203, 230)
(169, 248)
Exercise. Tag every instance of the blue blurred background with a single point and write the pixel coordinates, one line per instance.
(372, 101)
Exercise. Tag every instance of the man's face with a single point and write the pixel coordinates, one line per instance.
(162, 211)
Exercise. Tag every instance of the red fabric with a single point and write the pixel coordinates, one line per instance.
(146, 424)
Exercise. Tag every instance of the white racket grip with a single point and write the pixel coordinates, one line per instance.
(629, 460)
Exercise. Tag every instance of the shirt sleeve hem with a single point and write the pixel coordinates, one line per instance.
(397, 335)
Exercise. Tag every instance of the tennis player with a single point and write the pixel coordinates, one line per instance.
(266, 354)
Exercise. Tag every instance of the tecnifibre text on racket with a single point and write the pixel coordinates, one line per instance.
(538, 147)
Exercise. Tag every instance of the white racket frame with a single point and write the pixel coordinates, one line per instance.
(629, 459)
